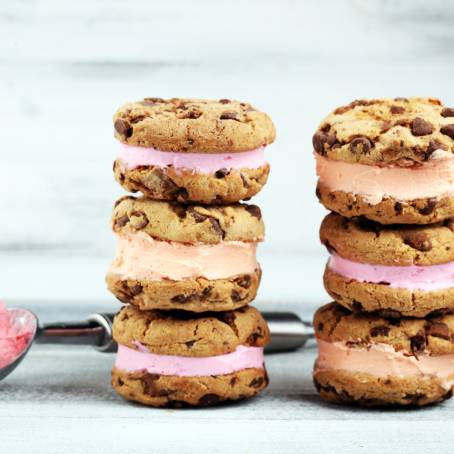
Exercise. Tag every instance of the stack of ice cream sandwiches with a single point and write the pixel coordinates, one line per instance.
(186, 264)
(386, 171)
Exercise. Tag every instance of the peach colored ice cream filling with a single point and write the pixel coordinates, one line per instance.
(139, 256)
(414, 277)
(432, 179)
(132, 157)
(131, 360)
(383, 360)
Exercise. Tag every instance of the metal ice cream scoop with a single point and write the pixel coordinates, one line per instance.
(288, 332)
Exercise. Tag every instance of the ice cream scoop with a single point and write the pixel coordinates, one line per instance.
(288, 332)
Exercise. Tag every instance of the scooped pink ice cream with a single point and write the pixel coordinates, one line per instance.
(14, 335)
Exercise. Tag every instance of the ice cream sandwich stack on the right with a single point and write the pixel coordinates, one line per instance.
(386, 172)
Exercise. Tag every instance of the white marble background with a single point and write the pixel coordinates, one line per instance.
(65, 66)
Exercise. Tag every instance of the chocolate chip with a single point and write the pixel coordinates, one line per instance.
(448, 130)
(137, 119)
(257, 382)
(136, 289)
(138, 220)
(254, 211)
(228, 317)
(181, 194)
(320, 138)
(235, 296)
(229, 116)
(224, 101)
(320, 326)
(233, 380)
(123, 127)
(180, 210)
(209, 399)
(190, 344)
(417, 240)
(381, 330)
(192, 114)
(149, 384)
(244, 281)
(401, 99)
(447, 112)
(434, 145)
(244, 180)
(439, 329)
(395, 110)
(398, 208)
(360, 145)
(215, 224)
(121, 221)
(420, 127)
(154, 100)
(418, 343)
(252, 339)
(221, 173)
(198, 217)
(430, 206)
(183, 299)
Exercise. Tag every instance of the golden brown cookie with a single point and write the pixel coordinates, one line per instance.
(175, 357)
(195, 258)
(405, 270)
(372, 360)
(202, 151)
(390, 160)
(189, 224)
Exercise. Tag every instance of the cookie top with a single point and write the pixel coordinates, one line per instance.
(185, 333)
(333, 323)
(400, 131)
(172, 221)
(193, 125)
(401, 245)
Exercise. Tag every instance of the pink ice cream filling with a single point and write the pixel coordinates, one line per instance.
(131, 360)
(139, 256)
(383, 360)
(15, 335)
(413, 277)
(133, 157)
(433, 179)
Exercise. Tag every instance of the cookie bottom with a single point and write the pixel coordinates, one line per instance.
(195, 295)
(389, 210)
(175, 391)
(368, 390)
(381, 298)
(221, 187)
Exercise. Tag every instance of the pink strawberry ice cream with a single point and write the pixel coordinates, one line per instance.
(133, 157)
(14, 335)
(131, 360)
(383, 360)
(426, 278)
(139, 256)
(434, 179)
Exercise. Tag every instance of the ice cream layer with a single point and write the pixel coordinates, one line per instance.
(383, 360)
(15, 334)
(133, 157)
(432, 179)
(425, 278)
(140, 256)
(131, 360)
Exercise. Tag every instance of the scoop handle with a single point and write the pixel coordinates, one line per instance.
(288, 332)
